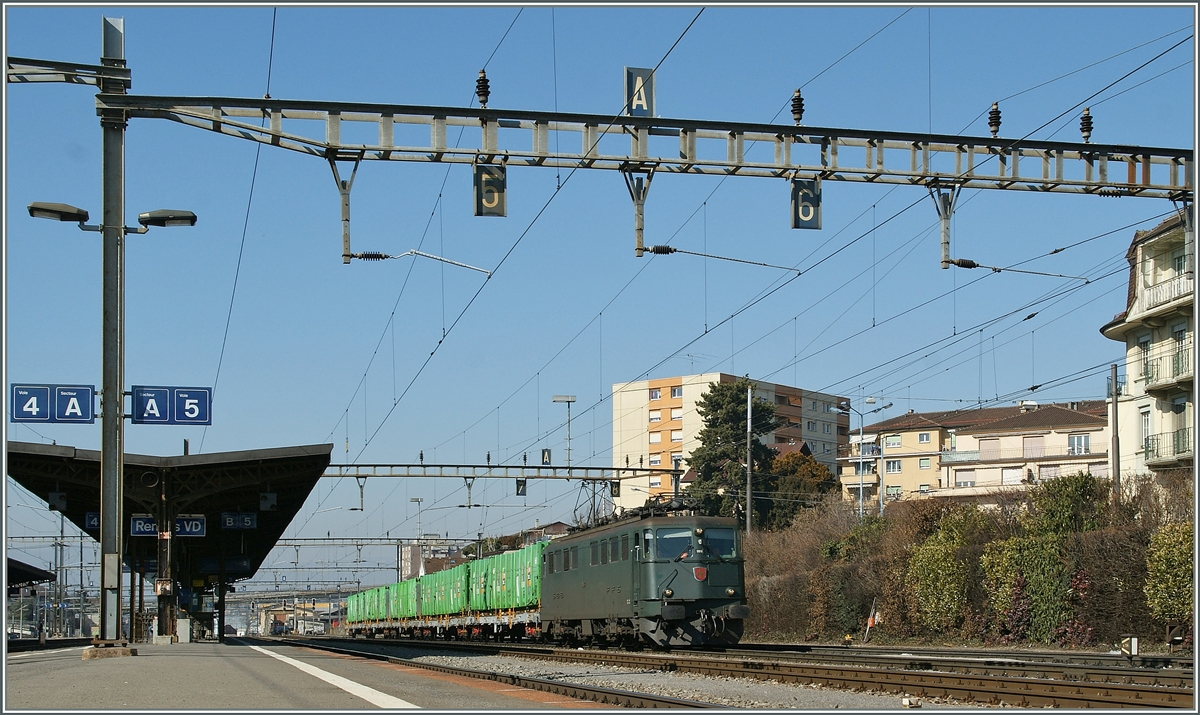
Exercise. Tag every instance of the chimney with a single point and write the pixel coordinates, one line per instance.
(1028, 406)
(1074, 405)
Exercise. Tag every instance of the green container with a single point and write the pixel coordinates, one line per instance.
(513, 578)
(403, 602)
(445, 592)
(478, 575)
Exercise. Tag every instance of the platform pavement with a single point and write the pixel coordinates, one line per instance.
(242, 675)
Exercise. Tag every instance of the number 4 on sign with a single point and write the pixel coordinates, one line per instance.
(806, 203)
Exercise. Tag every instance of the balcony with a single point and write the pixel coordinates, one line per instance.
(1169, 447)
(852, 480)
(1168, 372)
(1165, 292)
(1019, 454)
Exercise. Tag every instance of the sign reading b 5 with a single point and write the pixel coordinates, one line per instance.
(171, 405)
(53, 403)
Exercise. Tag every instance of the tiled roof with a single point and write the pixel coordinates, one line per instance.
(1051, 416)
(969, 418)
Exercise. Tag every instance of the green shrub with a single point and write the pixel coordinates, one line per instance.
(1027, 567)
(1169, 567)
(1074, 503)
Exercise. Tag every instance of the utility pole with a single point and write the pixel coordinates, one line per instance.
(749, 435)
(1116, 436)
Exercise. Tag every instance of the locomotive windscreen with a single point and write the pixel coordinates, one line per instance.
(721, 542)
(673, 542)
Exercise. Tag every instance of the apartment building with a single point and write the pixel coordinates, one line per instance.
(921, 454)
(1155, 405)
(656, 424)
(1014, 453)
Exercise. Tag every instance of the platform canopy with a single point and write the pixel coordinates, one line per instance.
(20, 575)
(246, 499)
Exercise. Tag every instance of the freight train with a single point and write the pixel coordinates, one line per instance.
(662, 579)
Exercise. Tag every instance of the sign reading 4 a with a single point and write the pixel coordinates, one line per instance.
(53, 403)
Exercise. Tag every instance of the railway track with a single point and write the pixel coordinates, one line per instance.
(603, 696)
(988, 680)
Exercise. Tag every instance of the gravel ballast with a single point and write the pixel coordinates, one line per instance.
(727, 692)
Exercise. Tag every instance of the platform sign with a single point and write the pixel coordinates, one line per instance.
(806, 203)
(91, 521)
(53, 403)
(491, 190)
(239, 520)
(171, 405)
(639, 92)
(190, 525)
(142, 525)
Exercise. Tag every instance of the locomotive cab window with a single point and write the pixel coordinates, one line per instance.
(648, 544)
(673, 542)
(722, 542)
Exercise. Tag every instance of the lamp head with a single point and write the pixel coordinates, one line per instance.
(870, 400)
(57, 212)
(167, 217)
(563, 398)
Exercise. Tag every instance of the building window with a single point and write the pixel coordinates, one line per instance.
(1098, 470)
(1079, 444)
(677, 413)
(677, 391)
(964, 478)
(812, 426)
(656, 460)
(923, 438)
(862, 468)
(825, 446)
(814, 404)
(655, 393)
(676, 435)
(655, 415)
(923, 488)
(1049, 471)
(676, 459)
(1145, 429)
(892, 466)
(894, 492)
(655, 482)
(826, 427)
(892, 441)
(923, 463)
(655, 437)
(826, 407)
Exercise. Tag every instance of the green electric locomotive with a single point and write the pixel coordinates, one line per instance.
(667, 581)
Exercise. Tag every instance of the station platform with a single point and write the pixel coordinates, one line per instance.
(248, 674)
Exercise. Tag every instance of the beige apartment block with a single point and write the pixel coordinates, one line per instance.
(1013, 454)
(1155, 407)
(656, 424)
(949, 453)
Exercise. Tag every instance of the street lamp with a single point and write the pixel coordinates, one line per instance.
(569, 399)
(112, 389)
(846, 409)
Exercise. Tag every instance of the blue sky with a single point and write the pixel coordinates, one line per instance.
(317, 351)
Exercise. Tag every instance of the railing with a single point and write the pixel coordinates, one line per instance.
(1169, 369)
(1122, 387)
(1169, 445)
(1167, 291)
(1000, 455)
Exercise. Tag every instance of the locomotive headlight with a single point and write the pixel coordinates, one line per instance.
(699, 532)
(729, 592)
(668, 593)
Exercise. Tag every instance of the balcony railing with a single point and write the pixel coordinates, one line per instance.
(1025, 453)
(1170, 369)
(1170, 446)
(1167, 291)
(1122, 387)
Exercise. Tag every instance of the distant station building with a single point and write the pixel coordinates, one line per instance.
(656, 424)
